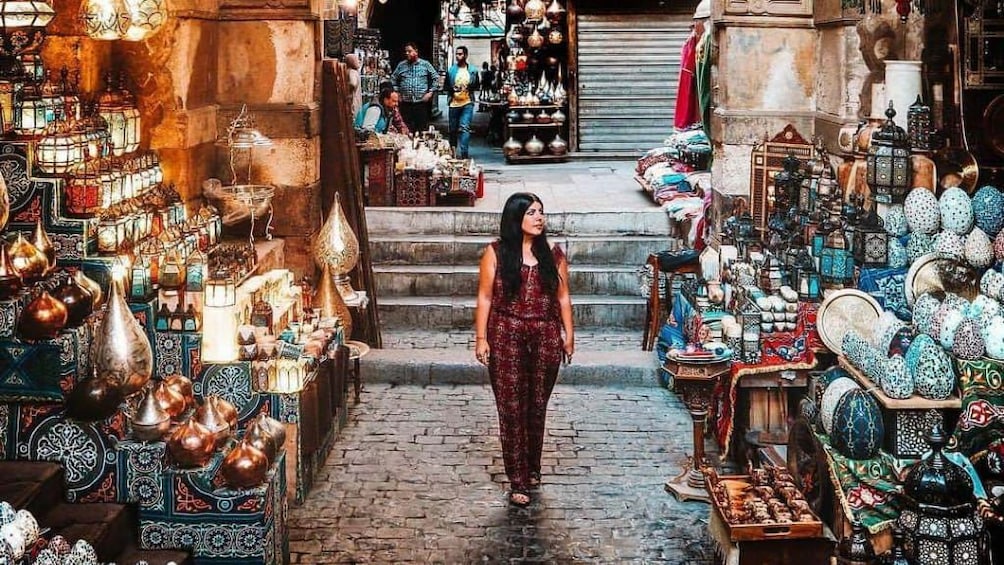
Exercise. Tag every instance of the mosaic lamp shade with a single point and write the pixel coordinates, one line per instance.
(871, 241)
(888, 168)
(106, 20)
(146, 17)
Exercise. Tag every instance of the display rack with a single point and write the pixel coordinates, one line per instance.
(523, 131)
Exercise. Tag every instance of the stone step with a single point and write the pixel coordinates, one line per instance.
(450, 280)
(586, 338)
(445, 312)
(35, 486)
(456, 366)
(466, 249)
(133, 555)
(466, 221)
(107, 527)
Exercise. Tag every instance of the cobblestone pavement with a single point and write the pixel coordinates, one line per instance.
(416, 477)
(586, 339)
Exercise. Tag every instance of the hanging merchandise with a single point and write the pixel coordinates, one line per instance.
(106, 20)
(122, 349)
(534, 10)
(337, 247)
(146, 17)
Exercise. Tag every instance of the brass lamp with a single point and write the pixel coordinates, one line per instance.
(146, 17)
(22, 25)
(118, 108)
(337, 247)
(836, 264)
(29, 111)
(106, 20)
(888, 169)
(59, 150)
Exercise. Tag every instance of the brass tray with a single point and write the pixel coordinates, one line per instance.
(844, 310)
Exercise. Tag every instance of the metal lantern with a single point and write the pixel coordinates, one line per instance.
(52, 96)
(105, 19)
(72, 108)
(218, 313)
(748, 317)
(146, 18)
(836, 264)
(32, 66)
(141, 288)
(22, 25)
(871, 242)
(196, 271)
(118, 108)
(172, 271)
(11, 80)
(30, 116)
(787, 183)
(941, 523)
(221, 290)
(59, 150)
(888, 167)
(111, 233)
(83, 192)
(771, 274)
(919, 126)
(809, 285)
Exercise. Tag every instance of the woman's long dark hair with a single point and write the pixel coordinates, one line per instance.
(510, 248)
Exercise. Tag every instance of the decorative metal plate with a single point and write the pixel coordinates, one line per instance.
(843, 311)
(922, 277)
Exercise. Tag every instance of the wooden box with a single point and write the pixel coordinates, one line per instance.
(413, 188)
(736, 484)
(378, 176)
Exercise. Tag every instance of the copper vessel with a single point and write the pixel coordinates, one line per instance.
(151, 421)
(42, 318)
(191, 444)
(91, 286)
(209, 416)
(77, 300)
(171, 401)
(245, 466)
(93, 400)
(258, 436)
(10, 280)
(223, 406)
(29, 262)
(122, 349)
(183, 386)
(273, 428)
(41, 241)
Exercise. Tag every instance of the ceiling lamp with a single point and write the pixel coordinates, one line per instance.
(105, 19)
(146, 18)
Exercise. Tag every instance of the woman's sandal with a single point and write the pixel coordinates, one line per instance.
(519, 498)
(535, 479)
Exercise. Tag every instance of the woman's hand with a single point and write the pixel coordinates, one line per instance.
(482, 351)
(568, 348)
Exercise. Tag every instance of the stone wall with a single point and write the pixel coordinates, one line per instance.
(810, 63)
(191, 79)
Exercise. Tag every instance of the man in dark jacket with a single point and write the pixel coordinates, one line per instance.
(461, 81)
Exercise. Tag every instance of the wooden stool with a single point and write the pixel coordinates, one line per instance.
(653, 310)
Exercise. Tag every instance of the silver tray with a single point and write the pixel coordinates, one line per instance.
(922, 277)
(843, 311)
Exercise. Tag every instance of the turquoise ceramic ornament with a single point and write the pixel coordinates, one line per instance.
(922, 211)
(858, 429)
(912, 356)
(988, 210)
(896, 253)
(992, 283)
(953, 318)
(934, 376)
(885, 328)
(895, 221)
(982, 309)
(956, 211)
(853, 346)
(993, 337)
(968, 341)
(950, 245)
(898, 382)
(924, 309)
(979, 249)
(920, 244)
(831, 396)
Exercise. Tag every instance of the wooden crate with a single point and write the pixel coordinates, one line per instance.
(378, 176)
(759, 532)
(413, 188)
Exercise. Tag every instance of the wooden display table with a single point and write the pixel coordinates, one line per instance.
(769, 551)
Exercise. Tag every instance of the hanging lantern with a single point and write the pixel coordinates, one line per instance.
(336, 245)
(111, 232)
(83, 192)
(836, 264)
(60, 149)
(146, 17)
(152, 250)
(29, 111)
(72, 109)
(871, 241)
(771, 274)
(11, 80)
(52, 97)
(118, 109)
(106, 20)
(141, 288)
(534, 10)
(555, 12)
(22, 25)
(919, 126)
(195, 269)
(809, 285)
(172, 271)
(941, 523)
(889, 173)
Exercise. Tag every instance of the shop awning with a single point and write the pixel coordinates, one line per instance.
(483, 30)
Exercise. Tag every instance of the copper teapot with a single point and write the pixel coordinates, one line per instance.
(151, 421)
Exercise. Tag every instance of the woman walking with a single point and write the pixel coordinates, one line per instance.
(523, 308)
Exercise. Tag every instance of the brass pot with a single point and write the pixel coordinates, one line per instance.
(183, 386)
(228, 410)
(259, 437)
(511, 147)
(122, 349)
(273, 428)
(172, 402)
(151, 421)
(534, 146)
(555, 37)
(10, 280)
(191, 444)
(31, 264)
(536, 40)
(245, 466)
(93, 400)
(40, 239)
(558, 146)
(210, 417)
(42, 318)
(77, 300)
(91, 286)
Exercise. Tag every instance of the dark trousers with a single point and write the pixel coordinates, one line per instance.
(523, 367)
(416, 115)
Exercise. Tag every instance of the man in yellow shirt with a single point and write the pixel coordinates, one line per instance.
(461, 81)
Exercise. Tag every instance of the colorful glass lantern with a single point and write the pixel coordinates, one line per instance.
(30, 115)
(106, 20)
(83, 191)
(52, 96)
(60, 149)
(152, 250)
(871, 242)
(809, 285)
(118, 108)
(172, 271)
(111, 183)
(941, 523)
(111, 233)
(919, 126)
(141, 287)
(195, 268)
(146, 18)
(771, 274)
(888, 168)
(836, 264)
(22, 25)
(11, 80)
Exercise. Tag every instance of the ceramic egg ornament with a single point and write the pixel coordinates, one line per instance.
(934, 373)
(898, 382)
(993, 338)
(968, 342)
(831, 396)
(956, 211)
(895, 222)
(950, 245)
(988, 210)
(924, 309)
(858, 428)
(991, 283)
(920, 244)
(922, 211)
(979, 250)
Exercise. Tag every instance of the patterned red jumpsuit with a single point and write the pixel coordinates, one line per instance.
(524, 336)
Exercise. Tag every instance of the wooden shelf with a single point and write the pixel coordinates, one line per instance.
(536, 107)
(538, 158)
(915, 402)
(529, 126)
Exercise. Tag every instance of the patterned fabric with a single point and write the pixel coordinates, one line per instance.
(413, 80)
(886, 286)
(525, 340)
(868, 489)
(981, 420)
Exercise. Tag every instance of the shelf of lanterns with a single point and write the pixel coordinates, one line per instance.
(532, 82)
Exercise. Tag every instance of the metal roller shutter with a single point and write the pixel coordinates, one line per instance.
(629, 66)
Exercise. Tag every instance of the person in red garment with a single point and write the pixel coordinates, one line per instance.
(523, 308)
(688, 110)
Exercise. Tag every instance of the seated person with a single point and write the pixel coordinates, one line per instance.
(378, 116)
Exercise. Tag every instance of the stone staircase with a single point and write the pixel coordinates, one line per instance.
(425, 263)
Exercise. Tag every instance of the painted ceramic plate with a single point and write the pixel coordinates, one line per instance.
(843, 311)
(699, 360)
(357, 349)
(922, 277)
